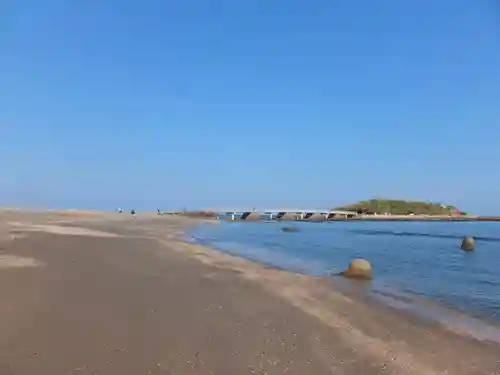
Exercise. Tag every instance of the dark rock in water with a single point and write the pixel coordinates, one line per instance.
(289, 229)
(468, 244)
(359, 269)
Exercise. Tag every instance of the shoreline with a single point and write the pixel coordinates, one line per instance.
(364, 313)
(412, 305)
(429, 218)
(201, 304)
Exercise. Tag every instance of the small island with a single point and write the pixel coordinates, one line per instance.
(369, 210)
(402, 207)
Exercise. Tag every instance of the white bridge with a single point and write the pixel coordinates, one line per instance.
(283, 214)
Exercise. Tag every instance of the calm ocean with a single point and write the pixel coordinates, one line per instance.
(411, 258)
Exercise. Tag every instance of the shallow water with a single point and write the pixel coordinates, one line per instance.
(408, 258)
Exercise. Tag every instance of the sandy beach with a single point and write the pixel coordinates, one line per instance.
(91, 293)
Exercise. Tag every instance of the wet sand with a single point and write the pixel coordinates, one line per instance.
(105, 294)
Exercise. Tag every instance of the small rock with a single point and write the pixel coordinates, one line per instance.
(289, 229)
(359, 269)
(468, 244)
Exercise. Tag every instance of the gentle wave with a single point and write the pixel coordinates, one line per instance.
(422, 259)
(416, 234)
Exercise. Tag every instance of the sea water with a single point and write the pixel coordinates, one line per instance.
(415, 258)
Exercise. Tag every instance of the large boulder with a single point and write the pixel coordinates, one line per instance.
(359, 269)
(468, 244)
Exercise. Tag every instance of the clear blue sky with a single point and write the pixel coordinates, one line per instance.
(224, 103)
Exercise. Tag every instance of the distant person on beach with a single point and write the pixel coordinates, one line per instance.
(132, 212)
(120, 210)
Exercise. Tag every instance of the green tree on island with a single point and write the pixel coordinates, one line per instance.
(401, 207)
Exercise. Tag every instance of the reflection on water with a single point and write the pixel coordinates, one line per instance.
(419, 258)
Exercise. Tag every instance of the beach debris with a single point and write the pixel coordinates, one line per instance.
(359, 269)
(468, 244)
(289, 229)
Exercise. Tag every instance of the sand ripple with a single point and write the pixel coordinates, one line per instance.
(63, 230)
(13, 261)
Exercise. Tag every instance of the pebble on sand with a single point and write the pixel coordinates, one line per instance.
(468, 244)
(359, 269)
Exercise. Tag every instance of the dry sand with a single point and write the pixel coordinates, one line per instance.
(105, 294)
